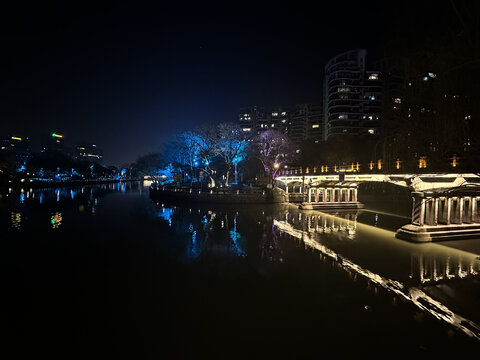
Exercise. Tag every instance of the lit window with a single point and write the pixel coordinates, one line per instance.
(370, 117)
(274, 114)
(314, 126)
(247, 129)
(284, 121)
(284, 113)
(371, 131)
(273, 125)
(343, 89)
(372, 97)
(343, 116)
(373, 77)
(397, 100)
(432, 75)
(425, 78)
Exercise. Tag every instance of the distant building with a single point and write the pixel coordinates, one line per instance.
(307, 123)
(18, 147)
(252, 120)
(88, 152)
(54, 142)
(304, 121)
(352, 96)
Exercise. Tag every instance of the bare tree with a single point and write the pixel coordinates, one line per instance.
(231, 146)
(205, 139)
(274, 149)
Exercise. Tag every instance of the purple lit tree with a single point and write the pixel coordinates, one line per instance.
(274, 149)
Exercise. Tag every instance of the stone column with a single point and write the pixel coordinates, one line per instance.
(435, 218)
(418, 211)
(474, 210)
(317, 195)
(460, 212)
(449, 209)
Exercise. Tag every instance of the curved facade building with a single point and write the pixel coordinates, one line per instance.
(352, 96)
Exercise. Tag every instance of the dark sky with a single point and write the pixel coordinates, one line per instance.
(126, 76)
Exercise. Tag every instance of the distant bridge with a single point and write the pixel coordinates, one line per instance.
(444, 205)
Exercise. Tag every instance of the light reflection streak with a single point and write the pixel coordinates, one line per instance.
(413, 294)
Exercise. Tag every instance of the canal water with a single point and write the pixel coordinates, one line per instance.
(105, 271)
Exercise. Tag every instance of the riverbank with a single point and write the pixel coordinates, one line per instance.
(36, 184)
(225, 195)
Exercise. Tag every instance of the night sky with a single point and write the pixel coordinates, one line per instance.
(127, 76)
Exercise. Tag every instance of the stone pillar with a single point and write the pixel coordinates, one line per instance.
(317, 195)
(418, 210)
(354, 199)
(474, 210)
(286, 188)
(460, 210)
(449, 209)
(435, 217)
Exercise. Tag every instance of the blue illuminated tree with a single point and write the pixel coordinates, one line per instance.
(231, 146)
(204, 142)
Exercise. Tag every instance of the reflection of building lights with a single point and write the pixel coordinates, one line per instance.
(56, 220)
(379, 164)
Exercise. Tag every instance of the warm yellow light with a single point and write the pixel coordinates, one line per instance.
(326, 168)
(358, 167)
(335, 168)
(370, 166)
(397, 164)
(16, 138)
(276, 165)
(307, 171)
(422, 162)
(454, 161)
(379, 164)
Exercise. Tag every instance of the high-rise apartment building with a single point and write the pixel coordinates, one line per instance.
(352, 96)
(300, 123)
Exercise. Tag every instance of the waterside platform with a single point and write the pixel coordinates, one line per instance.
(249, 196)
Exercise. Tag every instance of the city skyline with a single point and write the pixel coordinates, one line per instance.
(126, 77)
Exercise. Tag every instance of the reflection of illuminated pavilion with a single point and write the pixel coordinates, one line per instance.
(427, 269)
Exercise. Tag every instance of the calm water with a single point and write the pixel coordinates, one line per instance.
(104, 271)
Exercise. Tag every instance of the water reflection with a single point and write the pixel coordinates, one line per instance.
(16, 220)
(208, 232)
(56, 220)
(429, 264)
(21, 202)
